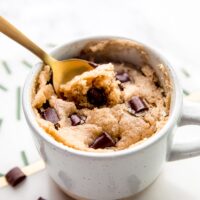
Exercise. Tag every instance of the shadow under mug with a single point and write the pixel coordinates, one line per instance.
(114, 175)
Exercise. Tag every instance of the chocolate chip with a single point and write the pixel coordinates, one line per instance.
(122, 77)
(121, 87)
(51, 115)
(57, 126)
(137, 104)
(104, 140)
(41, 198)
(15, 176)
(43, 108)
(46, 105)
(76, 119)
(157, 84)
(93, 64)
(163, 93)
(96, 96)
(118, 138)
(62, 96)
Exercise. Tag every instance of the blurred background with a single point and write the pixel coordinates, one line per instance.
(170, 26)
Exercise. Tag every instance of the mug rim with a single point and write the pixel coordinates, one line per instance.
(176, 100)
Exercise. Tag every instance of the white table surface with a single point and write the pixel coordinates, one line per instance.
(172, 27)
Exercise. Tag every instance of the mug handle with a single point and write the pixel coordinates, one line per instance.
(190, 116)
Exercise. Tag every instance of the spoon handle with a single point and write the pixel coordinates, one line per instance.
(13, 33)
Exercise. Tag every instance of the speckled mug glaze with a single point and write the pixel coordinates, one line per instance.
(113, 175)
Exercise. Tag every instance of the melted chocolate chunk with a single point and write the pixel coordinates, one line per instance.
(96, 96)
(137, 104)
(163, 93)
(50, 115)
(157, 84)
(57, 126)
(76, 119)
(104, 140)
(62, 96)
(122, 77)
(121, 87)
(46, 105)
(43, 108)
(15, 176)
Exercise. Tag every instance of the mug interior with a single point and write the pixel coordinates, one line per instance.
(117, 50)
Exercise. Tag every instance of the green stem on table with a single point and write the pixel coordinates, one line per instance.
(26, 63)
(18, 100)
(3, 88)
(6, 66)
(51, 45)
(24, 158)
(1, 121)
(185, 72)
(185, 92)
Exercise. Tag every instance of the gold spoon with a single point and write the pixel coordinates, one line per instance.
(63, 71)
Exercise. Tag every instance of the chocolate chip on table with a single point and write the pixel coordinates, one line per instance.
(137, 104)
(122, 77)
(76, 119)
(102, 141)
(15, 176)
(41, 198)
(96, 96)
(50, 115)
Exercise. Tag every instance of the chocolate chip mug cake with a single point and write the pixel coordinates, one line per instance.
(112, 107)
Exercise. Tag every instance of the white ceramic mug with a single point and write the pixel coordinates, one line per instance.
(113, 175)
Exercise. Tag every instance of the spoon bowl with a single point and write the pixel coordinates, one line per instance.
(63, 71)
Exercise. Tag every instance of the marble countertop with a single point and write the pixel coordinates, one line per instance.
(171, 27)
